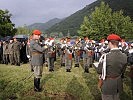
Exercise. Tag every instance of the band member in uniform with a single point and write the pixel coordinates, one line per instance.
(68, 56)
(77, 52)
(37, 59)
(87, 55)
(51, 55)
(62, 52)
(28, 52)
(111, 68)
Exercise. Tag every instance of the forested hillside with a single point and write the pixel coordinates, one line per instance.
(44, 26)
(72, 23)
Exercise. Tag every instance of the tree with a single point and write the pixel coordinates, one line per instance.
(60, 34)
(122, 25)
(23, 30)
(6, 26)
(84, 28)
(103, 21)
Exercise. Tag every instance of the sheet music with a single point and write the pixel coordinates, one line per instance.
(96, 64)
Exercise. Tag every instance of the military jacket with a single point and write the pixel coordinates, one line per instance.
(10, 47)
(115, 66)
(16, 46)
(37, 53)
(77, 49)
(5, 48)
(51, 51)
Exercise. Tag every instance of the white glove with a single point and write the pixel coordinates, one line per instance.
(28, 56)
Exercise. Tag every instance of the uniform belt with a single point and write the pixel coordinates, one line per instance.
(112, 77)
(36, 53)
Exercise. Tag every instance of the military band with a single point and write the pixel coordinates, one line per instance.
(69, 54)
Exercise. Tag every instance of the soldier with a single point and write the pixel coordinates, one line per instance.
(37, 59)
(16, 51)
(77, 52)
(97, 52)
(62, 52)
(51, 55)
(28, 52)
(68, 55)
(10, 46)
(87, 55)
(104, 47)
(92, 48)
(46, 51)
(111, 68)
(5, 52)
(124, 46)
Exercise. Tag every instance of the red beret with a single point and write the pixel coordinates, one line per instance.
(36, 32)
(113, 37)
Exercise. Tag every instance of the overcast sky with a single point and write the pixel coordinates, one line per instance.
(40, 11)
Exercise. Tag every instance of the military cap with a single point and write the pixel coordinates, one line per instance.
(113, 37)
(36, 32)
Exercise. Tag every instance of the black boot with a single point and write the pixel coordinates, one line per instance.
(90, 65)
(38, 85)
(76, 65)
(35, 84)
(68, 70)
(50, 70)
(6, 62)
(18, 64)
(32, 70)
(86, 70)
(62, 64)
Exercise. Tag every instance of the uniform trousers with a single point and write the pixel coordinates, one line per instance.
(77, 59)
(68, 64)
(11, 58)
(51, 62)
(38, 71)
(87, 62)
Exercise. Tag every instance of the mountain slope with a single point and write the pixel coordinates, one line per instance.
(125, 5)
(44, 26)
(73, 22)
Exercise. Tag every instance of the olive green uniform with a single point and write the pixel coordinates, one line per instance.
(5, 52)
(16, 52)
(11, 58)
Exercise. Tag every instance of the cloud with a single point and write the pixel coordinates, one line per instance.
(32, 11)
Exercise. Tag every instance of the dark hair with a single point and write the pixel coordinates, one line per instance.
(114, 42)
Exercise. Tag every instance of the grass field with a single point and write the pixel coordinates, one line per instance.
(57, 85)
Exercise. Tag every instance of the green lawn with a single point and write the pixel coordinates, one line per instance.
(57, 85)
